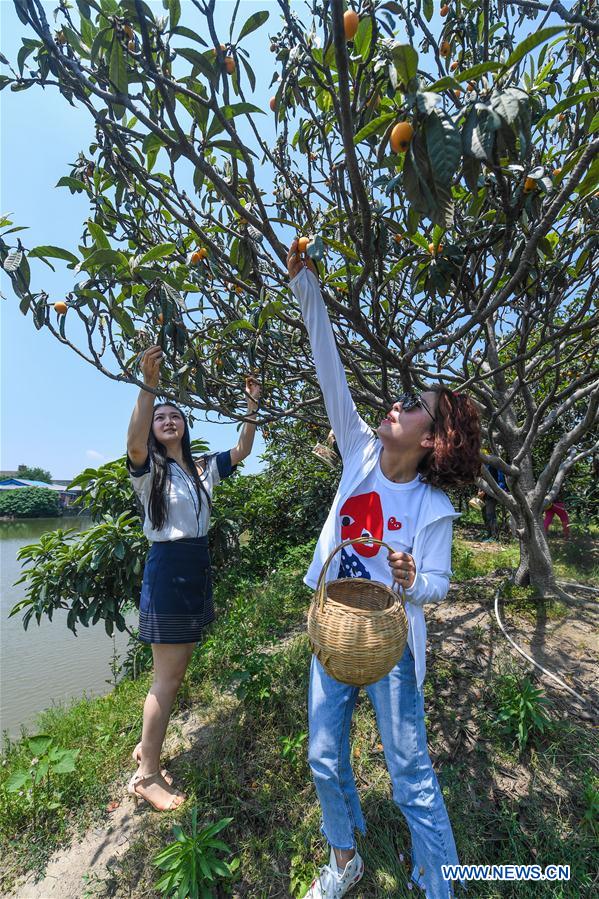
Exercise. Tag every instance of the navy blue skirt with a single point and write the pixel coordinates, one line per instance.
(176, 592)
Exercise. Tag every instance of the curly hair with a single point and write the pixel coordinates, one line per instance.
(454, 460)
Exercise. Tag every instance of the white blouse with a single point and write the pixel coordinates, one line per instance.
(187, 515)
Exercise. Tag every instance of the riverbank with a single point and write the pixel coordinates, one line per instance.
(238, 747)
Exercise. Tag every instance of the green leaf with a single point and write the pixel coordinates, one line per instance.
(475, 72)
(342, 249)
(418, 178)
(151, 147)
(241, 325)
(444, 146)
(589, 184)
(39, 744)
(101, 42)
(529, 43)
(508, 103)
(74, 185)
(174, 8)
(427, 101)
(22, 55)
(232, 148)
(249, 72)
(158, 252)
(117, 72)
(213, 829)
(98, 235)
(363, 38)
(39, 314)
(104, 257)
(84, 9)
(21, 11)
(419, 240)
(478, 133)
(229, 112)
(429, 9)
(471, 169)
(375, 126)
(17, 781)
(200, 61)
(571, 101)
(254, 21)
(445, 83)
(54, 253)
(406, 62)
(66, 764)
(188, 33)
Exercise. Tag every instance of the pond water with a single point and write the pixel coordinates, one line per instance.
(46, 664)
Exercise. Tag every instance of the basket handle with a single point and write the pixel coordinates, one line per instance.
(321, 587)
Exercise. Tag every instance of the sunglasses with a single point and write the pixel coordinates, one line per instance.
(411, 400)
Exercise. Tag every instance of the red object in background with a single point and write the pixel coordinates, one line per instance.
(560, 510)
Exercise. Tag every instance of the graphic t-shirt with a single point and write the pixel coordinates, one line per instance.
(382, 509)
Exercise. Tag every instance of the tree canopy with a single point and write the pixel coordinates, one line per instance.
(443, 168)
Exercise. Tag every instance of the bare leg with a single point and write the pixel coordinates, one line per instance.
(170, 664)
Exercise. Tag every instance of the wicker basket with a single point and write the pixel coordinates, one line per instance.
(357, 627)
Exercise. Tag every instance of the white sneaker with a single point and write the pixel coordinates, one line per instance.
(331, 883)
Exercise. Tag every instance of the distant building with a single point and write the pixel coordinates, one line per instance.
(66, 494)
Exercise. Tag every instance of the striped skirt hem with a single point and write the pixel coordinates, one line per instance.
(156, 628)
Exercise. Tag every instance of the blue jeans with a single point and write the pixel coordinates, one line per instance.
(399, 708)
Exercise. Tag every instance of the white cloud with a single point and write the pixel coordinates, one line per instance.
(95, 455)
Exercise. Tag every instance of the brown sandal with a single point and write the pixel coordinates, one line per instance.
(141, 779)
(136, 756)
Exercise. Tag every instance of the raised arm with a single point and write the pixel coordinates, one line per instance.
(248, 431)
(349, 428)
(141, 419)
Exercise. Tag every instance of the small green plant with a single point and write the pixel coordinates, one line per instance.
(192, 865)
(522, 714)
(292, 748)
(463, 563)
(302, 874)
(138, 657)
(253, 677)
(37, 781)
(590, 818)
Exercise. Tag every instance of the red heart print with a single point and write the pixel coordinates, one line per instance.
(393, 524)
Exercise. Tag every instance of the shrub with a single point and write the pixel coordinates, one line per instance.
(522, 716)
(29, 502)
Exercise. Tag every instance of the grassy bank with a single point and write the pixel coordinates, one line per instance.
(537, 804)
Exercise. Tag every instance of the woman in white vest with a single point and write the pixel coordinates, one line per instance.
(391, 489)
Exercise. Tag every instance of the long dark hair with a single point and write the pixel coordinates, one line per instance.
(455, 458)
(157, 508)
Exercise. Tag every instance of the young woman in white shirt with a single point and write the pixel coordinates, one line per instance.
(392, 489)
(176, 597)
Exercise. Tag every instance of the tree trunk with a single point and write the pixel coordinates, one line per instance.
(535, 568)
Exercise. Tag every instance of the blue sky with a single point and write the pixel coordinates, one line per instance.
(57, 411)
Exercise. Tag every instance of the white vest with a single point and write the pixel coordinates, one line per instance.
(360, 449)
